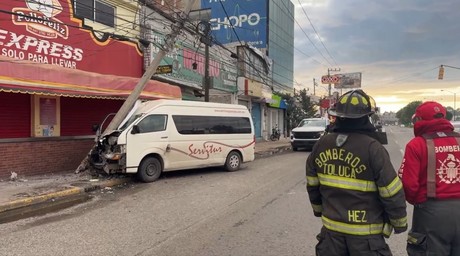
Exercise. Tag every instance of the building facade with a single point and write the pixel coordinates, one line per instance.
(268, 26)
(64, 65)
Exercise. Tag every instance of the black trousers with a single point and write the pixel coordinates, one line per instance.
(435, 229)
(332, 243)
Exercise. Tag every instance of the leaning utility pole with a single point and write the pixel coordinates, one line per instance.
(149, 72)
(314, 86)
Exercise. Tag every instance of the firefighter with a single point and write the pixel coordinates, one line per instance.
(430, 173)
(352, 184)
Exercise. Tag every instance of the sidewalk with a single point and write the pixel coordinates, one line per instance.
(29, 194)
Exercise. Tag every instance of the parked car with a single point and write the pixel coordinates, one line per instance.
(308, 132)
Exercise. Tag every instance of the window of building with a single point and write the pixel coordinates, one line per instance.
(46, 119)
(211, 124)
(96, 11)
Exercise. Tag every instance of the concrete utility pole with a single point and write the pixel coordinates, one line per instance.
(204, 29)
(328, 75)
(149, 72)
(314, 86)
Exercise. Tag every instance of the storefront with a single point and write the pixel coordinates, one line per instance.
(252, 97)
(57, 82)
(277, 114)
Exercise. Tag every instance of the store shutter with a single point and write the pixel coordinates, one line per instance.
(78, 115)
(14, 115)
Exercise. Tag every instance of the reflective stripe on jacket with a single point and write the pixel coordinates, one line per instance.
(354, 188)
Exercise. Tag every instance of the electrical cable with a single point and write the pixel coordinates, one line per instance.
(309, 39)
(316, 32)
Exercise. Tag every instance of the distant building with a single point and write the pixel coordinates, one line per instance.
(389, 118)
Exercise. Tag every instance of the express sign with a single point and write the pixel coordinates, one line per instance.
(47, 32)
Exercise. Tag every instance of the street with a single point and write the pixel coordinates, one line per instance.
(260, 210)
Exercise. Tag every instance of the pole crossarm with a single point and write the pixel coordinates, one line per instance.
(450, 66)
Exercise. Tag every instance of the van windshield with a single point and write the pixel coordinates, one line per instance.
(130, 121)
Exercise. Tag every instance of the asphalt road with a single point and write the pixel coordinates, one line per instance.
(261, 210)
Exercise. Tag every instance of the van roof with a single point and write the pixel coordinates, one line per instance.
(149, 105)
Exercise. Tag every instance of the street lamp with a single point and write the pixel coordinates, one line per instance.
(455, 99)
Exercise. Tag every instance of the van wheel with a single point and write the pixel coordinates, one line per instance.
(233, 161)
(295, 149)
(150, 169)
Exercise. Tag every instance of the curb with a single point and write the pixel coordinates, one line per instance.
(50, 197)
(273, 151)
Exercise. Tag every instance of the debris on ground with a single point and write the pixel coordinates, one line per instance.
(14, 176)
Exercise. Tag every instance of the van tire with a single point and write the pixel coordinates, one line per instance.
(233, 161)
(150, 169)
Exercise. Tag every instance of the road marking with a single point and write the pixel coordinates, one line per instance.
(402, 152)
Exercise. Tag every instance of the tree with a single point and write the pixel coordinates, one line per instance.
(307, 106)
(405, 114)
(299, 106)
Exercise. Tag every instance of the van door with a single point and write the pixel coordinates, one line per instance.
(152, 136)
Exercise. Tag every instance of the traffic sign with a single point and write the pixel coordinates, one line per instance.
(330, 79)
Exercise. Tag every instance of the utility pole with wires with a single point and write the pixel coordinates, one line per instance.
(329, 74)
(314, 87)
(204, 29)
(149, 72)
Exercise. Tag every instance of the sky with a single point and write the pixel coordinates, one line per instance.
(397, 45)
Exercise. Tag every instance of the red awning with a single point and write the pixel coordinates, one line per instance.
(36, 78)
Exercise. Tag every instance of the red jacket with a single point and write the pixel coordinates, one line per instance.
(413, 170)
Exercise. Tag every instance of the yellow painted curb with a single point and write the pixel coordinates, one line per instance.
(37, 199)
(63, 193)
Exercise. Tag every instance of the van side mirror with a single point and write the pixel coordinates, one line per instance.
(135, 129)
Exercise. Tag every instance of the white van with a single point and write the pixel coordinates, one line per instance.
(167, 135)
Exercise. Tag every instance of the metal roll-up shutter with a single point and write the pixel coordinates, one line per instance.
(14, 115)
(78, 115)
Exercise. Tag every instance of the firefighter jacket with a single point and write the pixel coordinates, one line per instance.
(413, 170)
(353, 186)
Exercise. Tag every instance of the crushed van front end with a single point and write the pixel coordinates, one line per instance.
(107, 155)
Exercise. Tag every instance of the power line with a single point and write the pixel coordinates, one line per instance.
(309, 39)
(416, 74)
(118, 36)
(316, 32)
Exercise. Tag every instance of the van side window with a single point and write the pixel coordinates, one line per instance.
(211, 124)
(153, 123)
